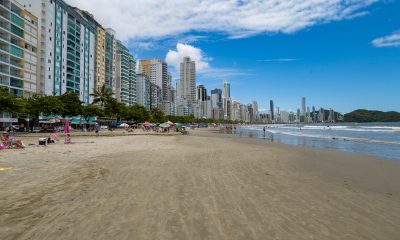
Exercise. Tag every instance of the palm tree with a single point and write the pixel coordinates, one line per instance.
(102, 95)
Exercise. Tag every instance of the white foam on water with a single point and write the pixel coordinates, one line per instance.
(300, 134)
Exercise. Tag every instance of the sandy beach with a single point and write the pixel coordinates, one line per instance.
(201, 186)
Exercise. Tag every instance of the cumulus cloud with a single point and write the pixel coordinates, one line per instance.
(175, 57)
(203, 66)
(392, 40)
(149, 19)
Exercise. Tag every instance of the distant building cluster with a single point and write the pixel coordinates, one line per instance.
(303, 115)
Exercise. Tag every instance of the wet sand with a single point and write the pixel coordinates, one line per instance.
(201, 186)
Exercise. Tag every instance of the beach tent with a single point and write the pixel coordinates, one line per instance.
(179, 125)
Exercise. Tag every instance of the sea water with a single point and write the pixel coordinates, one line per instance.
(374, 139)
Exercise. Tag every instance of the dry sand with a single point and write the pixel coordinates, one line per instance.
(201, 186)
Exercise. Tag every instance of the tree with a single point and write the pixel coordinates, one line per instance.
(102, 95)
(91, 111)
(43, 104)
(72, 105)
(113, 108)
(157, 116)
(9, 103)
(137, 113)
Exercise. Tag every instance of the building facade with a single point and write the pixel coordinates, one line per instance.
(125, 72)
(110, 59)
(18, 49)
(143, 90)
(187, 87)
(68, 49)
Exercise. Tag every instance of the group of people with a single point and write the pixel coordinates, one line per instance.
(7, 141)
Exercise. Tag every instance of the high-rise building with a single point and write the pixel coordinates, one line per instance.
(271, 109)
(125, 76)
(157, 71)
(187, 86)
(227, 90)
(303, 106)
(110, 59)
(201, 93)
(143, 90)
(18, 49)
(314, 115)
(155, 96)
(321, 115)
(216, 103)
(100, 47)
(67, 43)
(255, 111)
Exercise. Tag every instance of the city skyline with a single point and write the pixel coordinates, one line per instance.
(273, 61)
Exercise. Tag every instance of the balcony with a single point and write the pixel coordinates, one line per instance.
(4, 59)
(5, 48)
(4, 70)
(16, 73)
(16, 63)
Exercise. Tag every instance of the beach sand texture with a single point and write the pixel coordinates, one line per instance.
(200, 186)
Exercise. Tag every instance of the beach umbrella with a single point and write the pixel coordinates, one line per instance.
(146, 123)
(164, 125)
(170, 123)
(124, 125)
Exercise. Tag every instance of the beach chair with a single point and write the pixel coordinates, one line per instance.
(54, 137)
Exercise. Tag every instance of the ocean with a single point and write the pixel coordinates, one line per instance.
(374, 139)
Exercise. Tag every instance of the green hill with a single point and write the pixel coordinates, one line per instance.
(362, 115)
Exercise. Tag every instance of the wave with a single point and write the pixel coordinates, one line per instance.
(385, 129)
(339, 138)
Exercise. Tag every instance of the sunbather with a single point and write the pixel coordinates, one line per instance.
(11, 141)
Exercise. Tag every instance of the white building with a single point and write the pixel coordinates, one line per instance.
(67, 44)
(187, 87)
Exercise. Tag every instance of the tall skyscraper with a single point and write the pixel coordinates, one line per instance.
(187, 86)
(19, 48)
(227, 90)
(303, 106)
(68, 49)
(271, 109)
(157, 71)
(216, 103)
(110, 59)
(201, 93)
(143, 90)
(125, 76)
(255, 111)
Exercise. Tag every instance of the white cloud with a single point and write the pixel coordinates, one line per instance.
(151, 19)
(175, 57)
(203, 66)
(392, 40)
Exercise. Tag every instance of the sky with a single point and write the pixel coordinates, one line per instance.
(340, 54)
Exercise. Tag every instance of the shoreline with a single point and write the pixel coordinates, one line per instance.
(330, 141)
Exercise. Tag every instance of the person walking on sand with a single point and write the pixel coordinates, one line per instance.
(97, 128)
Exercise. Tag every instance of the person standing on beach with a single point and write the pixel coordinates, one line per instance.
(97, 128)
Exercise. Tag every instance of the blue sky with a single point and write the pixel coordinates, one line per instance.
(346, 58)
